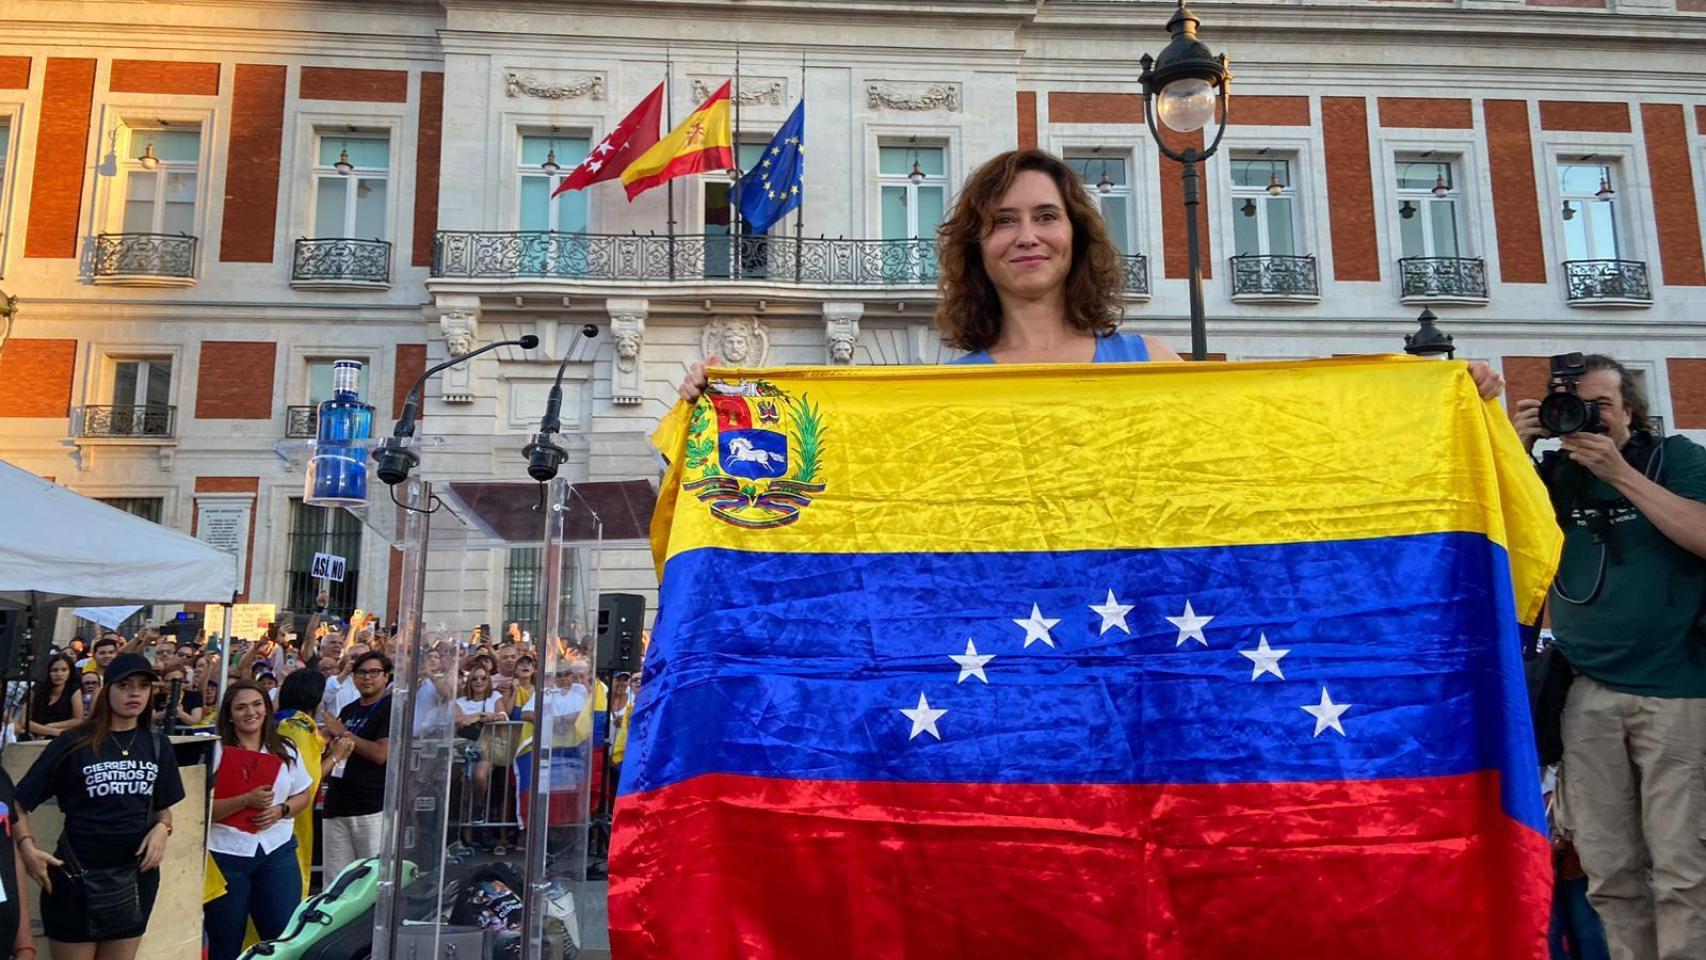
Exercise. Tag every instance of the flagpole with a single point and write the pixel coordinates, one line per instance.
(734, 218)
(669, 124)
(800, 211)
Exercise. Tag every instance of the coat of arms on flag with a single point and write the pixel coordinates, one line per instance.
(762, 463)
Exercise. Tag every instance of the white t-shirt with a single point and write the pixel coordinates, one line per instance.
(339, 694)
(488, 705)
(292, 779)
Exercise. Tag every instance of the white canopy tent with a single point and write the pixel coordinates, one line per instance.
(60, 549)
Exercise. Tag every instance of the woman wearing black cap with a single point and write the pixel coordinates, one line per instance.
(115, 779)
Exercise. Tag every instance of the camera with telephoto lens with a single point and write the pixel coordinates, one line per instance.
(1562, 410)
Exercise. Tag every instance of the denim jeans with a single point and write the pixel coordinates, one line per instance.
(1575, 933)
(267, 887)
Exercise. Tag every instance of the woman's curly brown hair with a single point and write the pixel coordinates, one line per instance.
(968, 313)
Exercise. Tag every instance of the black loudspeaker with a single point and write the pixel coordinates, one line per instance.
(621, 616)
(23, 650)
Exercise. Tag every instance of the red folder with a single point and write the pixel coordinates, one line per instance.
(240, 771)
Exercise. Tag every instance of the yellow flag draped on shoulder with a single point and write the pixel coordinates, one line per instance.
(702, 142)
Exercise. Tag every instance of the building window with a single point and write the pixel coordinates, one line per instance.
(322, 530)
(320, 381)
(142, 383)
(352, 205)
(914, 197)
(1428, 208)
(160, 166)
(1264, 207)
(521, 590)
(565, 214)
(1590, 211)
(719, 211)
(1104, 175)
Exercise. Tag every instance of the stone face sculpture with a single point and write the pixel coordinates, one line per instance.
(738, 341)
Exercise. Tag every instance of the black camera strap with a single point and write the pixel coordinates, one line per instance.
(1644, 453)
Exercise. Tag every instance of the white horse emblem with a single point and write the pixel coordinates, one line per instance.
(741, 450)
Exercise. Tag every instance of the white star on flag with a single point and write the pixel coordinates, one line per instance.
(1265, 658)
(603, 145)
(923, 718)
(593, 165)
(1037, 627)
(1190, 626)
(971, 662)
(1113, 614)
(1326, 714)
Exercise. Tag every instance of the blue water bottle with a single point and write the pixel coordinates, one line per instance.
(337, 475)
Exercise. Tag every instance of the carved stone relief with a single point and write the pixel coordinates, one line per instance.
(460, 329)
(841, 330)
(913, 97)
(588, 85)
(628, 330)
(737, 341)
(753, 92)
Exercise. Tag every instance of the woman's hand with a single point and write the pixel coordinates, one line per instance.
(36, 862)
(271, 815)
(259, 798)
(693, 385)
(1488, 381)
(153, 849)
(335, 727)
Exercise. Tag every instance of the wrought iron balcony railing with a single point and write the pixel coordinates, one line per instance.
(1426, 279)
(144, 256)
(1607, 281)
(301, 422)
(1275, 277)
(696, 258)
(157, 421)
(342, 261)
(1136, 275)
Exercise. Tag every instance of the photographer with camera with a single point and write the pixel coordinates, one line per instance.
(1627, 615)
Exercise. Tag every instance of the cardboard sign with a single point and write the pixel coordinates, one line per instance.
(249, 620)
(328, 566)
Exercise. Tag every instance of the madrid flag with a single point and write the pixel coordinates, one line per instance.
(1117, 662)
(619, 148)
(702, 142)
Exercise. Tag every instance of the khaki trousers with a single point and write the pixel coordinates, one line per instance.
(1633, 792)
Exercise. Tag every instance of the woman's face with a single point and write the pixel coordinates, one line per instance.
(130, 696)
(524, 670)
(248, 711)
(1027, 247)
(479, 683)
(59, 672)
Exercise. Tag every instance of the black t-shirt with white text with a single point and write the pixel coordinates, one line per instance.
(8, 873)
(108, 798)
(361, 789)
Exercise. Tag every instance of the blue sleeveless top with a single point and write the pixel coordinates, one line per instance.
(1119, 348)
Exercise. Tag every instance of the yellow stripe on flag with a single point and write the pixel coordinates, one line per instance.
(1111, 456)
(702, 142)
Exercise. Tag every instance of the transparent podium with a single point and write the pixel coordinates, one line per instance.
(495, 830)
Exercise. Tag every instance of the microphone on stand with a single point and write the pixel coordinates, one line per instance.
(174, 696)
(395, 458)
(543, 456)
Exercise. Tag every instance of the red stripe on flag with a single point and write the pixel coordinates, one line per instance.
(710, 159)
(739, 867)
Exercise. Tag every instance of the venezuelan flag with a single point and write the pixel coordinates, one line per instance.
(1160, 661)
(701, 142)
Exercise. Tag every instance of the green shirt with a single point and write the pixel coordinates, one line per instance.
(1641, 634)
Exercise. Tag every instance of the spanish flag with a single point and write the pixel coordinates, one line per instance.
(1115, 662)
(702, 142)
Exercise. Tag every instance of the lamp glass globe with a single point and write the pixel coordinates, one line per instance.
(1186, 105)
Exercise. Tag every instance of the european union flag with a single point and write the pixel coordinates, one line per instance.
(772, 188)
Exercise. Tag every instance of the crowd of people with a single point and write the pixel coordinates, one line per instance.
(302, 724)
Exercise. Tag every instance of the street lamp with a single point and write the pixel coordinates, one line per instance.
(1428, 340)
(1186, 86)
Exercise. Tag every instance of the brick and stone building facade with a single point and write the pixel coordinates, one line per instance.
(188, 257)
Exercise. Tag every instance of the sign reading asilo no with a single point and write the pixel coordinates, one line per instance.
(328, 566)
